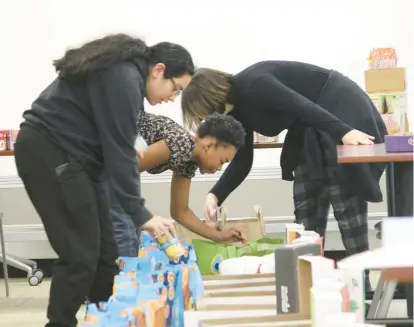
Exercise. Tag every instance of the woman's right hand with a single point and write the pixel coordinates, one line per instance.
(158, 226)
(356, 137)
(210, 207)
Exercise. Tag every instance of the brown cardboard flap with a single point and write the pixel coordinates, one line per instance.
(212, 287)
(274, 321)
(251, 293)
(254, 227)
(305, 284)
(239, 277)
(236, 307)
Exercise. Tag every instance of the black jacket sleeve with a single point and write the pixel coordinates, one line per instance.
(268, 91)
(237, 170)
(116, 98)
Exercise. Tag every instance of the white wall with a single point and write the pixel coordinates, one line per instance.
(226, 35)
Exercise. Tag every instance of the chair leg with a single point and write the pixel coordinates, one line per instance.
(3, 252)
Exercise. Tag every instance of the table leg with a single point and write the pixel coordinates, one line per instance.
(390, 180)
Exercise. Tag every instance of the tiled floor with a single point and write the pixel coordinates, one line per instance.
(26, 306)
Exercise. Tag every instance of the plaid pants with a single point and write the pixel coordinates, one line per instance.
(312, 199)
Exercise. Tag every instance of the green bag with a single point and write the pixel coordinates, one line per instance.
(210, 254)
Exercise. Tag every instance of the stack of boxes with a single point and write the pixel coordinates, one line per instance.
(259, 138)
(385, 84)
(7, 139)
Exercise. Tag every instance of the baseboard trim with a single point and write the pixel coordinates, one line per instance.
(273, 224)
(256, 173)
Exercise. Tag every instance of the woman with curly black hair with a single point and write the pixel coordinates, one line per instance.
(79, 132)
(171, 147)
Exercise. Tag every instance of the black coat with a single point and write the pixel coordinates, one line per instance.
(92, 116)
(310, 102)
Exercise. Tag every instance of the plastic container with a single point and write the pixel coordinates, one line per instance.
(171, 246)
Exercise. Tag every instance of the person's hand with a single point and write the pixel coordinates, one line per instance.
(210, 207)
(158, 226)
(356, 137)
(232, 234)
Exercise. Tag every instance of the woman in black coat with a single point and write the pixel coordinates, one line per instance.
(80, 133)
(321, 109)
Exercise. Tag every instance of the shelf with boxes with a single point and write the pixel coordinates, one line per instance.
(266, 142)
(7, 139)
(385, 83)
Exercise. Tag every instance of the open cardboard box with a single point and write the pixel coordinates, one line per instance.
(238, 292)
(309, 268)
(292, 320)
(219, 282)
(254, 227)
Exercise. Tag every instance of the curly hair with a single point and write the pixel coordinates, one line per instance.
(224, 128)
(102, 53)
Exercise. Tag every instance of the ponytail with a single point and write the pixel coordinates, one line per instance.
(100, 54)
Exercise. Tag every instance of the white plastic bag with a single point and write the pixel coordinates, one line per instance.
(140, 144)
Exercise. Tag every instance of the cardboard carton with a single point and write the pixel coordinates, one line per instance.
(385, 80)
(288, 287)
(390, 103)
(254, 228)
(292, 320)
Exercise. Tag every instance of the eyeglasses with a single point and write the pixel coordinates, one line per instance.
(176, 89)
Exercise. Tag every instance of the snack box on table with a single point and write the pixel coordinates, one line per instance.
(399, 143)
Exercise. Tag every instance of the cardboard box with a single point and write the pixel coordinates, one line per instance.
(254, 227)
(385, 80)
(192, 318)
(220, 282)
(229, 299)
(309, 269)
(287, 286)
(396, 123)
(292, 320)
(390, 103)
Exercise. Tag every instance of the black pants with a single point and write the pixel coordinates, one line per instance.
(75, 213)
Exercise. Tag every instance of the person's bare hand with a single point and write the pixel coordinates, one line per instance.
(210, 207)
(158, 226)
(232, 234)
(356, 137)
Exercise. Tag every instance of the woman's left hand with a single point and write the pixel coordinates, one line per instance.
(232, 234)
(356, 137)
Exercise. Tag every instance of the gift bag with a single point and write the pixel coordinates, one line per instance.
(211, 254)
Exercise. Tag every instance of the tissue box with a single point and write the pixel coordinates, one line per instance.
(399, 143)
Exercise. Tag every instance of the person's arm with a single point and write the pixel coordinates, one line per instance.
(268, 91)
(156, 154)
(116, 97)
(237, 170)
(180, 212)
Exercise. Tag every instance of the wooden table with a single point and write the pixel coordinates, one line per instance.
(6, 153)
(376, 153)
(370, 153)
(268, 145)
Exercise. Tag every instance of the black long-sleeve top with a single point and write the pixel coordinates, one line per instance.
(94, 120)
(272, 96)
